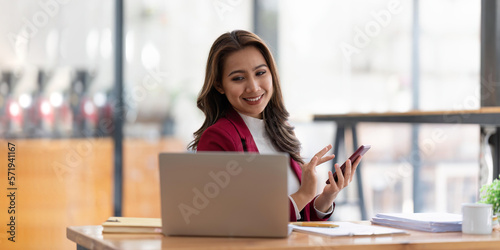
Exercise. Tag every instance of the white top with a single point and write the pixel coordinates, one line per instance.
(264, 145)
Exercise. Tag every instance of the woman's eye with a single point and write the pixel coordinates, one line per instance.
(261, 73)
(238, 78)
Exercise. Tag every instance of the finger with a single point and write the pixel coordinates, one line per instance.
(355, 166)
(333, 184)
(330, 178)
(357, 161)
(325, 159)
(340, 176)
(331, 188)
(323, 151)
(313, 162)
(348, 173)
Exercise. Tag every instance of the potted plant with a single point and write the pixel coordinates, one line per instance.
(490, 194)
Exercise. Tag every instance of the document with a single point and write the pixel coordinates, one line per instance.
(131, 225)
(429, 222)
(348, 229)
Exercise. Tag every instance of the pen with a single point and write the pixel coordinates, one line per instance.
(313, 224)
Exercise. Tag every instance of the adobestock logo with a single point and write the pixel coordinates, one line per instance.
(372, 29)
(201, 199)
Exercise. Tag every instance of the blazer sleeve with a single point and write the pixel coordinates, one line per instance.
(308, 213)
(313, 216)
(216, 138)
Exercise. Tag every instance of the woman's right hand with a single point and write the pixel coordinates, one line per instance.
(308, 186)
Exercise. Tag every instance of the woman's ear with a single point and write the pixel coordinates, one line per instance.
(219, 88)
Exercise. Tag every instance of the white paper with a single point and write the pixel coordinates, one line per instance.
(349, 229)
(429, 222)
(424, 217)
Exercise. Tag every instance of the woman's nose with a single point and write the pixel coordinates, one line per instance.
(253, 85)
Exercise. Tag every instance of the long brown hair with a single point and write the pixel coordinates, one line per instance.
(214, 105)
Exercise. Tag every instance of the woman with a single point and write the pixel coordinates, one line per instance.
(245, 112)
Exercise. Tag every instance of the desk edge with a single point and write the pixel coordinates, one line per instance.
(82, 239)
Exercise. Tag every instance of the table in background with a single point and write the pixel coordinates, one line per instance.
(91, 237)
(487, 116)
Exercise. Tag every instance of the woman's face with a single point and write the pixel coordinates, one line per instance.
(247, 81)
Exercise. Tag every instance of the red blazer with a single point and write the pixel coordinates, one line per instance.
(230, 133)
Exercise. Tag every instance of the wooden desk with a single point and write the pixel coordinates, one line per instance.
(486, 116)
(91, 237)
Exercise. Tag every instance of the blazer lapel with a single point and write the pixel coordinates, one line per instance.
(243, 131)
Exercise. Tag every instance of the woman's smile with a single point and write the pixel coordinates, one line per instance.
(253, 100)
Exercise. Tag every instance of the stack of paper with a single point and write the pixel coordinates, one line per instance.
(348, 229)
(429, 222)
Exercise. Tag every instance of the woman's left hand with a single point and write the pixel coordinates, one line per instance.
(331, 190)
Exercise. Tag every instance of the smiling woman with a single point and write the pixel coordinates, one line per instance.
(228, 57)
(244, 112)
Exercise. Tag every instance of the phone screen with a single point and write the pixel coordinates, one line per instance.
(359, 152)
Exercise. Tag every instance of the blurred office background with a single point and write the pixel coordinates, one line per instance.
(57, 99)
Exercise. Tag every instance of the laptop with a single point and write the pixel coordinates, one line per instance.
(224, 194)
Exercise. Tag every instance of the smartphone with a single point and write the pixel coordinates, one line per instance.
(359, 152)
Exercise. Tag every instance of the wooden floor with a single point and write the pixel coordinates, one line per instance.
(69, 182)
